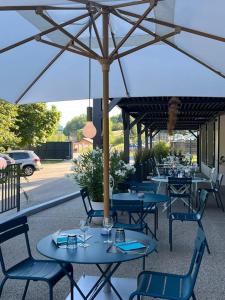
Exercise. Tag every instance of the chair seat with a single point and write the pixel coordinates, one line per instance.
(164, 286)
(31, 269)
(134, 227)
(184, 216)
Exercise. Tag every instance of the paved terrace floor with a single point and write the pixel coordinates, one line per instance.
(211, 279)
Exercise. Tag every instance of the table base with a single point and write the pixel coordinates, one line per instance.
(125, 286)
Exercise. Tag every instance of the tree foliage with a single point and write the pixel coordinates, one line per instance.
(35, 123)
(26, 125)
(75, 124)
(8, 114)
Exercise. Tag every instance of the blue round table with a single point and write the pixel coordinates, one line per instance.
(147, 197)
(98, 253)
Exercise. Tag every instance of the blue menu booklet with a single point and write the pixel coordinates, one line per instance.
(129, 246)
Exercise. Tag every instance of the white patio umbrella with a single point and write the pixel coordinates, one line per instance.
(142, 48)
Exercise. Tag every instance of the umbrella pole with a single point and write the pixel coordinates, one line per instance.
(105, 73)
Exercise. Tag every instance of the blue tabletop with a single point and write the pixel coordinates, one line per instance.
(96, 253)
(149, 198)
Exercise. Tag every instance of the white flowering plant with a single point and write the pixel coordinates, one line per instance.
(88, 172)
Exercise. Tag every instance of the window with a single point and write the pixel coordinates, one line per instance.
(19, 155)
(203, 143)
(210, 144)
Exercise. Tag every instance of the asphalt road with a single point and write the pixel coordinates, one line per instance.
(53, 180)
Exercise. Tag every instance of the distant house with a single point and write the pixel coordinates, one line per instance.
(82, 145)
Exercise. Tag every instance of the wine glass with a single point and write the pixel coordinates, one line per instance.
(84, 226)
(108, 224)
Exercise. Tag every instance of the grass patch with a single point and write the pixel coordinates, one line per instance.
(51, 161)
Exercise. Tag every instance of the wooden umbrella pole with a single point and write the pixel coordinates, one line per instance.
(105, 72)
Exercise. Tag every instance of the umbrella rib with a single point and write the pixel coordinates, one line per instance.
(140, 19)
(167, 24)
(53, 61)
(120, 64)
(156, 40)
(83, 53)
(40, 75)
(34, 7)
(52, 22)
(96, 33)
(137, 2)
(63, 49)
(45, 32)
(173, 46)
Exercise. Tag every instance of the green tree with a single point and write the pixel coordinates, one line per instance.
(8, 114)
(117, 122)
(74, 125)
(35, 123)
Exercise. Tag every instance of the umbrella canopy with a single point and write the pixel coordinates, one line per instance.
(149, 48)
(188, 62)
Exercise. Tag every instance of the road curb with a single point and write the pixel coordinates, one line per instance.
(43, 206)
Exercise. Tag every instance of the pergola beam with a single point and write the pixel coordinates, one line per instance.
(137, 120)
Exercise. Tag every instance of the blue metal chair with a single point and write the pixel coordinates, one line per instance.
(190, 217)
(171, 286)
(215, 190)
(131, 207)
(148, 187)
(180, 188)
(29, 269)
(91, 213)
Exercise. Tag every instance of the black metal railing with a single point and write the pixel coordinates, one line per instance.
(10, 188)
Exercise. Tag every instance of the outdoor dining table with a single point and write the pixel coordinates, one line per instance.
(149, 199)
(195, 180)
(98, 253)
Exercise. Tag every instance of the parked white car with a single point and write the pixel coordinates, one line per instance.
(29, 161)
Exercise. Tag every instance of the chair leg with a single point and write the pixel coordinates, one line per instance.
(2, 285)
(193, 296)
(155, 223)
(71, 286)
(215, 196)
(25, 289)
(157, 218)
(220, 200)
(170, 235)
(206, 242)
(50, 292)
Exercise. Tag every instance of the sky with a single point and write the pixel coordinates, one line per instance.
(70, 109)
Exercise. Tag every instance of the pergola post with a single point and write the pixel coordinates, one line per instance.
(146, 137)
(150, 138)
(139, 141)
(126, 130)
(105, 72)
(97, 121)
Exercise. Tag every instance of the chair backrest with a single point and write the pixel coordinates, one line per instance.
(202, 198)
(219, 181)
(11, 229)
(145, 187)
(86, 199)
(131, 206)
(179, 187)
(200, 243)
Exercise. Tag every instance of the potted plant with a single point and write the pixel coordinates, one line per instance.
(88, 172)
